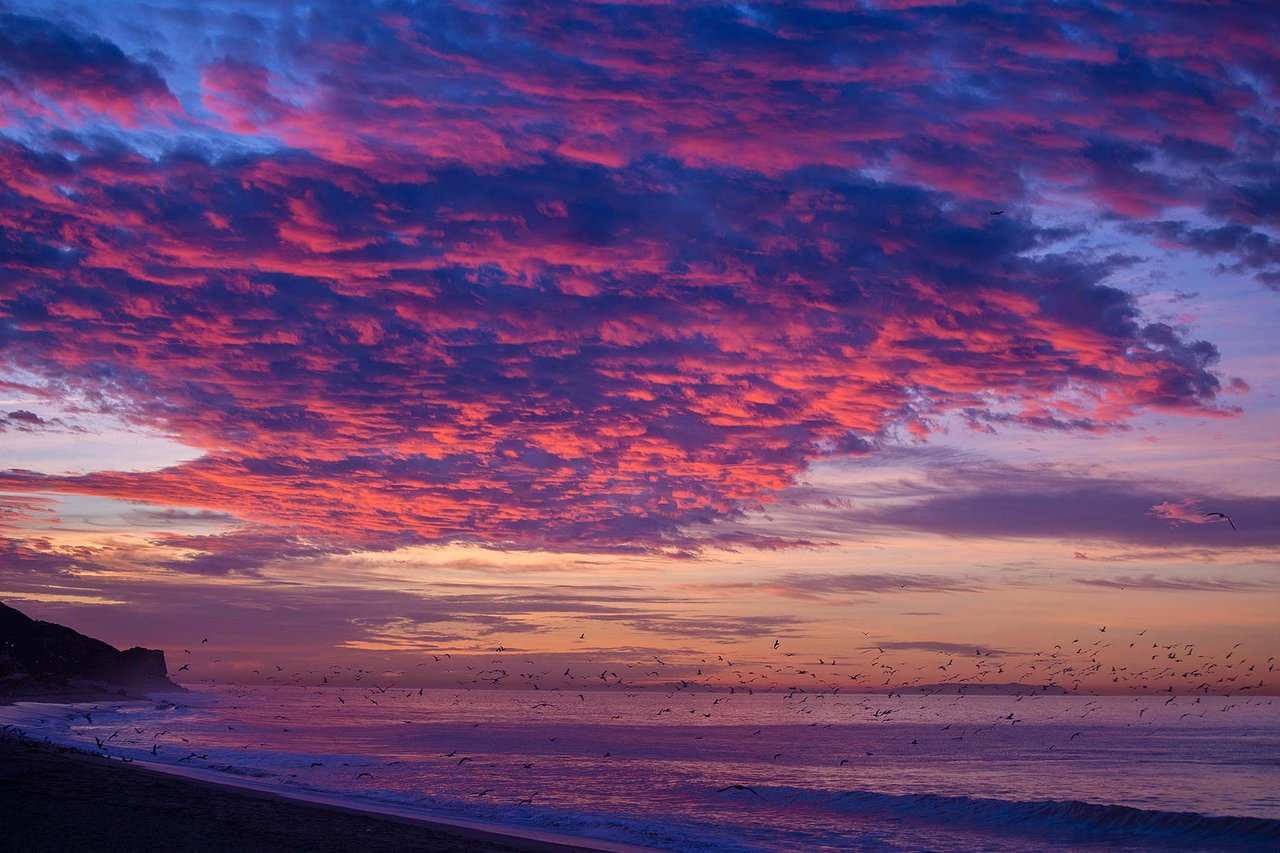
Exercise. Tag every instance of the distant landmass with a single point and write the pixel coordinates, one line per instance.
(1008, 689)
(43, 659)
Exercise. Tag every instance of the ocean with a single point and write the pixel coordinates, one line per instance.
(717, 772)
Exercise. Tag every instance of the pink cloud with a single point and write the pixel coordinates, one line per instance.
(1186, 511)
(607, 274)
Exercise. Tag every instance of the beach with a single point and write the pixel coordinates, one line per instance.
(59, 799)
(608, 771)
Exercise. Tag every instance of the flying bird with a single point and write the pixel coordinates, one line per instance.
(739, 788)
(1222, 515)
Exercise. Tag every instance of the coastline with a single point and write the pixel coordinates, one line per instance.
(432, 799)
(59, 798)
(76, 696)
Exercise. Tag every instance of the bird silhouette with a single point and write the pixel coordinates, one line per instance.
(1223, 516)
(736, 787)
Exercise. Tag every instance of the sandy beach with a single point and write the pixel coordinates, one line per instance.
(56, 799)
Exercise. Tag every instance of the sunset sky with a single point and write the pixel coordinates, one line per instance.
(357, 333)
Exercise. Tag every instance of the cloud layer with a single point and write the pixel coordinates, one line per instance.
(595, 275)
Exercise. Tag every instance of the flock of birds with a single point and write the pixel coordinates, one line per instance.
(870, 684)
(1180, 667)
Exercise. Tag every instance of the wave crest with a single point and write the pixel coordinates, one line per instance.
(1047, 817)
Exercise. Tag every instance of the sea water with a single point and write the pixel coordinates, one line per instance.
(817, 772)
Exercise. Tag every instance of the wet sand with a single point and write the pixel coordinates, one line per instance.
(55, 799)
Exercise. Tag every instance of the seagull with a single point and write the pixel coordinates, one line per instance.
(997, 212)
(1221, 515)
(739, 788)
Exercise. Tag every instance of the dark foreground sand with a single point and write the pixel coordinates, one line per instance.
(52, 799)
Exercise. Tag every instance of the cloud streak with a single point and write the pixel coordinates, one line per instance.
(946, 648)
(961, 498)
(814, 585)
(1153, 583)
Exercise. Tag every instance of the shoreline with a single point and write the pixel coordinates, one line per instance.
(78, 691)
(74, 697)
(63, 798)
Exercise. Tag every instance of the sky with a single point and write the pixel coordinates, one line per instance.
(918, 336)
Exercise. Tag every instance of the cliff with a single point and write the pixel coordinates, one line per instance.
(39, 658)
